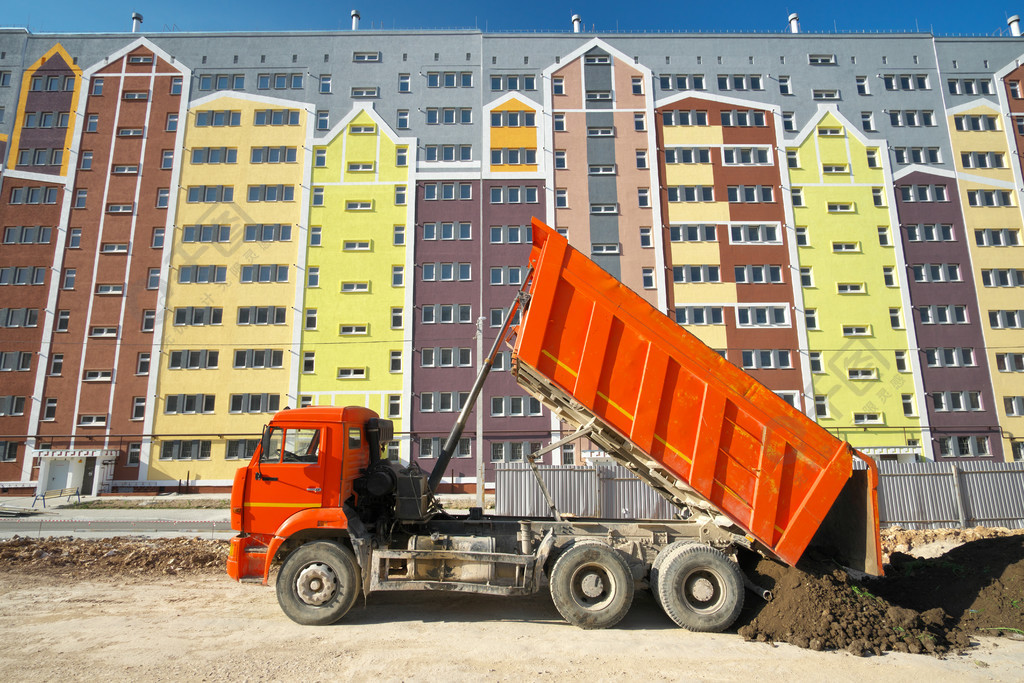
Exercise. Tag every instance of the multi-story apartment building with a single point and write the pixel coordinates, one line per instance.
(201, 229)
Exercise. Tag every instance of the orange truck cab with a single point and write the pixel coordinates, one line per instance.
(298, 480)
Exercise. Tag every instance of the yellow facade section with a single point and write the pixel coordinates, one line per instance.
(263, 332)
(514, 137)
(361, 272)
(698, 212)
(715, 336)
(856, 335)
(692, 135)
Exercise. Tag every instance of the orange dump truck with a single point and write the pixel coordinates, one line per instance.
(747, 471)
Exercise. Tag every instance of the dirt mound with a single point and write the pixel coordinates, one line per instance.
(923, 605)
(828, 611)
(935, 542)
(75, 557)
(980, 584)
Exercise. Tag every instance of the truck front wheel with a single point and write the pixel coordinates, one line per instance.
(700, 588)
(318, 583)
(591, 585)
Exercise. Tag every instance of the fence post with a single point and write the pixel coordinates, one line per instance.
(958, 494)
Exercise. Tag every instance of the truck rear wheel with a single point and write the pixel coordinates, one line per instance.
(660, 560)
(700, 588)
(318, 583)
(591, 585)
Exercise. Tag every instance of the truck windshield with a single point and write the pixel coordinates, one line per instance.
(292, 446)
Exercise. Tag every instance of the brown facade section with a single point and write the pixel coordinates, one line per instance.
(29, 233)
(732, 184)
(119, 216)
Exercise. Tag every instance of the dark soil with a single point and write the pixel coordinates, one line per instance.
(928, 606)
(979, 584)
(821, 610)
(82, 558)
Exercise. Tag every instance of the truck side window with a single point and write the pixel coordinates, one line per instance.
(301, 445)
(355, 438)
(273, 452)
(292, 446)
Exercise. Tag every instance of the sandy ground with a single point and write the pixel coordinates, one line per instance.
(207, 627)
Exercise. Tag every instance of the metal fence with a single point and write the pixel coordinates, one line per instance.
(913, 495)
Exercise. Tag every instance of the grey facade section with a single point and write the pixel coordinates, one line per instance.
(419, 54)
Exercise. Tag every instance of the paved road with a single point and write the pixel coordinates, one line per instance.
(55, 521)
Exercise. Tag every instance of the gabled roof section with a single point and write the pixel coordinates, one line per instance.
(927, 170)
(1010, 67)
(825, 110)
(590, 45)
(978, 103)
(134, 45)
(249, 97)
(357, 109)
(26, 83)
(721, 99)
(507, 97)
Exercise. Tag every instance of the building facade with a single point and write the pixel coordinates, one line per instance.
(202, 229)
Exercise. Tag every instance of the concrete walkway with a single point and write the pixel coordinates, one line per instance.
(60, 518)
(18, 517)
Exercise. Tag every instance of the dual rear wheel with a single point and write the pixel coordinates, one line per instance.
(697, 586)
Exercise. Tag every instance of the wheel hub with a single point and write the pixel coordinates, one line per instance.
(702, 589)
(316, 584)
(592, 585)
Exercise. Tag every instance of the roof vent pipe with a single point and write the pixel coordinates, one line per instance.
(1014, 24)
(355, 20)
(794, 23)
(577, 21)
(137, 21)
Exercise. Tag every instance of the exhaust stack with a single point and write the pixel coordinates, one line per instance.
(577, 22)
(1014, 24)
(355, 20)
(137, 22)
(794, 23)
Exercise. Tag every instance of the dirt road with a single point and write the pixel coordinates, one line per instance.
(206, 627)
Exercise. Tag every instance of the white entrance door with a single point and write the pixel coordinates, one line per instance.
(58, 475)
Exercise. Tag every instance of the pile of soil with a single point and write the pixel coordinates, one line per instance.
(979, 584)
(821, 610)
(935, 542)
(925, 605)
(76, 557)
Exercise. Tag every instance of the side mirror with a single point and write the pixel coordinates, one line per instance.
(264, 446)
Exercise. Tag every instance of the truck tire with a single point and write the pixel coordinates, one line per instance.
(591, 585)
(318, 583)
(660, 560)
(700, 588)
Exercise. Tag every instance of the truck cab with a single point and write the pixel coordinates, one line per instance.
(297, 481)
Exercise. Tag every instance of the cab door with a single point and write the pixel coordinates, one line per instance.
(286, 478)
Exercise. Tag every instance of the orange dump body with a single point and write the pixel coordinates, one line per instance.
(683, 418)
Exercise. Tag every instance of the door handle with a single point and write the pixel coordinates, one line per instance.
(313, 489)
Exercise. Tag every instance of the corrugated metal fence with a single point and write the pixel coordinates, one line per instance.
(913, 495)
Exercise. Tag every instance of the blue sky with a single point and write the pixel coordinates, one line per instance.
(943, 17)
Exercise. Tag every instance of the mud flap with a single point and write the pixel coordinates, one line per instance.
(849, 533)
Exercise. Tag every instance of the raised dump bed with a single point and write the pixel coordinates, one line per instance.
(701, 431)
